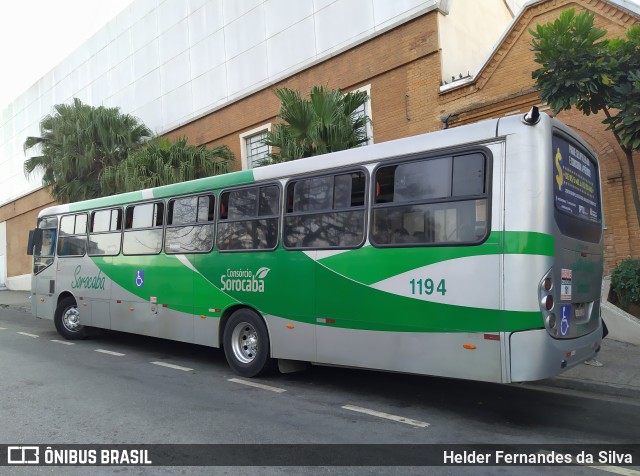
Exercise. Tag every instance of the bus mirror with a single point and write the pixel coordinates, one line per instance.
(35, 242)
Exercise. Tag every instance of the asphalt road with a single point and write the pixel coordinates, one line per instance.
(118, 389)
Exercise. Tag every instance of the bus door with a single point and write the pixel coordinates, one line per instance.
(42, 245)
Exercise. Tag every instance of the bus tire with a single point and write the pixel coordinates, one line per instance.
(246, 344)
(67, 320)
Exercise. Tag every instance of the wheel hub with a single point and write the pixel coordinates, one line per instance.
(71, 320)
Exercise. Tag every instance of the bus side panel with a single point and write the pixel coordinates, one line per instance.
(100, 302)
(206, 305)
(430, 353)
(536, 356)
(85, 281)
(153, 295)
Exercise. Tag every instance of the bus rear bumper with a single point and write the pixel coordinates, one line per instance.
(535, 355)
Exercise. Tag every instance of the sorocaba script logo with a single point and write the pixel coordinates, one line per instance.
(244, 280)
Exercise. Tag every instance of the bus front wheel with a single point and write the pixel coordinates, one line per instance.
(67, 320)
(246, 344)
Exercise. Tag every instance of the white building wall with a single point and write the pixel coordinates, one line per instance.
(3, 254)
(170, 61)
(469, 32)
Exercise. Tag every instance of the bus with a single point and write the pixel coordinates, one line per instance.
(473, 252)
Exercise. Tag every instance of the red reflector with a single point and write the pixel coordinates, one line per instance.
(584, 255)
(118, 301)
(549, 303)
(492, 337)
(331, 321)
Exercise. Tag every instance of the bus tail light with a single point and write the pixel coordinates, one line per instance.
(547, 302)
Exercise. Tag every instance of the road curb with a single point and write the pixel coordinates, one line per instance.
(591, 386)
(16, 307)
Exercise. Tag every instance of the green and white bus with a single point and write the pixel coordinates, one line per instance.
(473, 252)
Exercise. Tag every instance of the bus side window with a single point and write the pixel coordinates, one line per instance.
(73, 235)
(190, 224)
(143, 229)
(431, 201)
(249, 219)
(105, 232)
(326, 212)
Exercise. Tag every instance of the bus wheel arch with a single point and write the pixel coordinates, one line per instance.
(246, 342)
(67, 318)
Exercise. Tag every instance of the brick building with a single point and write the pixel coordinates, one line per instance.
(504, 86)
(402, 58)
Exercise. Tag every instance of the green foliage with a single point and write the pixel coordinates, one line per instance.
(626, 98)
(580, 68)
(625, 281)
(162, 162)
(76, 143)
(328, 121)
(576, 66)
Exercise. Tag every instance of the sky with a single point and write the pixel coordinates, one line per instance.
(36, 35)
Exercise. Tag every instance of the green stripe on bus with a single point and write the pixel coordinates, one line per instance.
(529, 243)
(106, 201)
(383, 263)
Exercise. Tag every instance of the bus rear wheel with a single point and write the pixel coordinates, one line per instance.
(67, 320)
(246, 344)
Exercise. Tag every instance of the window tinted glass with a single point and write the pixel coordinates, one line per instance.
(320, 212)
(242, 226)
(72, 245)
(242, 203)
(205, 208)
(313, 194)
(183, 210)
(189, 239)
(424, 180)
(259, 234)
(104, 244)
(575, 183)
(453, 195)
(48, 247)
(146, 215)
(101, 221)
(324, 230)
(269, 201)
(434, 223)
(68, 224)
(468, 175)
(81, 224)
(142, 242)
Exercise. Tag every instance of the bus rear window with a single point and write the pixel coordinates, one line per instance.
(575, 184)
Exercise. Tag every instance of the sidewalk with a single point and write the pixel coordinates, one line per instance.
(620, 374)
(15, 300)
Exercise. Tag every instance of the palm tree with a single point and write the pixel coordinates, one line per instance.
(77, 143)
(326, 122)
(162, 162)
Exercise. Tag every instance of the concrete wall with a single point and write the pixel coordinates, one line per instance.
(16, 219)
